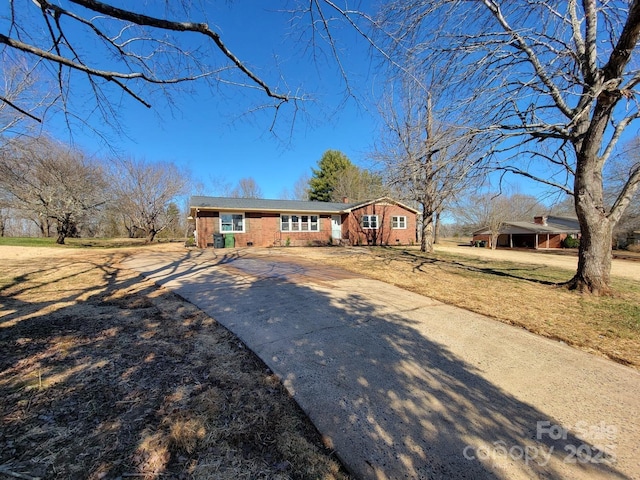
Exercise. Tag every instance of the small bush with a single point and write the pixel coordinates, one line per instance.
(571, 242)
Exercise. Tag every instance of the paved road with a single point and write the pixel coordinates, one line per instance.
(407, 387)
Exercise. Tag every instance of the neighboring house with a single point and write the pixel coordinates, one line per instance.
(262, 223)
(543, 232)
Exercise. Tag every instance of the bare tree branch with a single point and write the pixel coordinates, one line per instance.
(557, 72)
(202, 28)
(120, 46)
(15, 107)
(428, 155)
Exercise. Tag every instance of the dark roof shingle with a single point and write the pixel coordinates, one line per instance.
(261, 204)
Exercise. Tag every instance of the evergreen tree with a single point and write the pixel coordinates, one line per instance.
(330, 168)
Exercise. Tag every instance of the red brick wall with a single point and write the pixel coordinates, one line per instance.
(304, 239)
(385, 234)
(206, 225)
(482, 238)
(263, 229)
(555, 240)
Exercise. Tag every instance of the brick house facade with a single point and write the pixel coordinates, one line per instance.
(264, 223)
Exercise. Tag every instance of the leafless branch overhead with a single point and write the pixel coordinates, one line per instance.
(125, 48)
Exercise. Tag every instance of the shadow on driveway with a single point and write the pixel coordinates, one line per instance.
(393, 401)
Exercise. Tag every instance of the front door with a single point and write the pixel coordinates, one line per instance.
(336, 227)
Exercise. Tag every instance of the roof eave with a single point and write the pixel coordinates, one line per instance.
(267, 210)
(377, 200)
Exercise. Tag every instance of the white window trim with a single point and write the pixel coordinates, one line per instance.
(232, 231)
(396, 218)
(369, 217)
(299, 215)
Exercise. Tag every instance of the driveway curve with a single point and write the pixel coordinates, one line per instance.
(402, 386)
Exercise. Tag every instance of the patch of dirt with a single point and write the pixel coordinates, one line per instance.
(103, 374)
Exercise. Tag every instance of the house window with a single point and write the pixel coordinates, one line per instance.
(370, 222)
(232, 222)
(399, 223)
(299, 223)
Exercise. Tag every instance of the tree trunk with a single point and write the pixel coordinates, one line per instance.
(594, 255)
(494, 240)
(594, 260)
(426, 245)
(44, 227)
(151, 234)
(62, 232)
(63, 227)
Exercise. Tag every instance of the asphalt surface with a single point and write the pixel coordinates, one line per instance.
(404, 386)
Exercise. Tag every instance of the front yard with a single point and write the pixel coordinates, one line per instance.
(519, 293)
(105, 375)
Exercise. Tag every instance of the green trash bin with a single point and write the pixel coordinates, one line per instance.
(229, 241)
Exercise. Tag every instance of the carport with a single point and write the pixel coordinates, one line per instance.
(544, 235)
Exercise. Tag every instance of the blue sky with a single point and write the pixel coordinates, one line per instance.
(214, 135)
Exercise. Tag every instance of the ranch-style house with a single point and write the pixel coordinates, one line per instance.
(244, 222)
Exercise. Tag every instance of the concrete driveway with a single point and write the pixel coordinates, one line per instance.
(403, 386)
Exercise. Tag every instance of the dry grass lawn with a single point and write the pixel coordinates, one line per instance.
(522, 294)
(105, 375)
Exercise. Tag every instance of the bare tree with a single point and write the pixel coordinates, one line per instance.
(491, 210)
(615, 176)
(557, 72)
(357, 184)
(428, 155)
(247, 188)
(51, 182)
(300, 190)
(19, 82)
(564, 207)
(5, 211)
(217, 186)
(143, 192)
